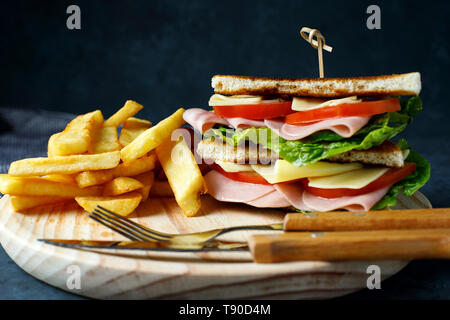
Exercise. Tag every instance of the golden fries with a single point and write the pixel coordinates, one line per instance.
(146, 179)
(152, 138)
(33, 186)
(183, 174)
(161, 189)
(90, 163)
(76, 137)
(123, 204)
(28, 202)
(92, 178)
(132, 128)
(65, 178)
(64, 164)
(136, 123)
(105, 140)
(128, 110)
(121, 185)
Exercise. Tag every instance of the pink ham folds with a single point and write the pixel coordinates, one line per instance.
(203, 120)
(285, 195)
(303, 200)
(345, 127)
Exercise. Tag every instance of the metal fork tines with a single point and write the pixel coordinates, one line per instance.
(138, 232)
(126, 227)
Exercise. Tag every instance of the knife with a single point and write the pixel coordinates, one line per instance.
(404, 244)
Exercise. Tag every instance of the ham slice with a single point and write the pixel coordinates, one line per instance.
(345, 127)
(293, 193)
(242, 123)
(224, 189)
(202, 120)
(362, 202)
(303, 200)
(284, 195)
(272, 199)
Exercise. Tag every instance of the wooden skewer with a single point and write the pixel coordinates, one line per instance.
(368, 220)
(351, 245)
(319, 44)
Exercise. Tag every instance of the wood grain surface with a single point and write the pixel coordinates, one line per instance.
(153, 275)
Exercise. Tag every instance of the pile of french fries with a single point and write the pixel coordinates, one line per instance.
(95, 165)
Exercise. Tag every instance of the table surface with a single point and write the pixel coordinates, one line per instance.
(24, 133)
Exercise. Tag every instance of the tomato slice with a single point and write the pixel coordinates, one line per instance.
(242, 176)
(390, 177)
(255, 111)
(366, 108)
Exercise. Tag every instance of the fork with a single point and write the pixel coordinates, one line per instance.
(138, 232)
(314, 221)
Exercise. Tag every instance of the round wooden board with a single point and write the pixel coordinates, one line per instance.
(174, 275)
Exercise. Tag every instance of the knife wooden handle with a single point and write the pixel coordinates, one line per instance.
(368, 220)
(351, 245)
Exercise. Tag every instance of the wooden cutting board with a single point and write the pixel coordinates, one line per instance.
(174, 275)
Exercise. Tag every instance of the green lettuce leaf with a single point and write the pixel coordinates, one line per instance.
(411, 183)
(325, 144)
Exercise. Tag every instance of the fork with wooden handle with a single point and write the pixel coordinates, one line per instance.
(320, 221)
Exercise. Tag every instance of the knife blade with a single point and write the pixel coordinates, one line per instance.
(212, 245)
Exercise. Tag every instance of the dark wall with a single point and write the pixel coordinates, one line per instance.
(163, 53)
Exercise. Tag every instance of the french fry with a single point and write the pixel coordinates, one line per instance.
(92, 178)
(76, 137)
(152, 137)
(36, 186)
(147, 179)
(64, 164)
(128, 110)
(105, 140)
(121, 185)
(161, 189)
(132, 128)
(123, 204)
(65, 178)
(183, 174)
(136, 123)
(27, 202)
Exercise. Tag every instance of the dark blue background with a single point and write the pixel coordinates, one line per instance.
(163, 54)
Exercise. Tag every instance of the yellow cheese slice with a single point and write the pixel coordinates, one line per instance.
(305, 104)
(233, 167)
(349, 180)
(283, 170)
(221, 100)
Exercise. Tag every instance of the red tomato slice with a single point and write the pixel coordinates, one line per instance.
(255, 111)
(366, 108)
(390, 177)
(242, 176)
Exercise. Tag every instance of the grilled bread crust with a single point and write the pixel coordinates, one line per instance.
(387, 85)
(387, 154)
(212, 150)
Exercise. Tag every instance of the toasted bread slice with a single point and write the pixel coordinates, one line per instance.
(389, 85)
(212, 150)
(386, 154)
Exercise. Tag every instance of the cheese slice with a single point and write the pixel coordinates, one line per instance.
(306, 104)
(283, 170)
(221, 100)
(356, 179)
(233, 167)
